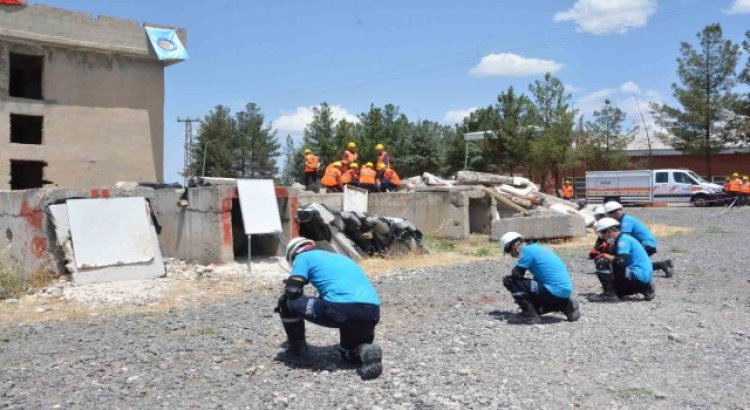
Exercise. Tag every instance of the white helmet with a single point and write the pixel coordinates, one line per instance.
(294, 246)
(509, 239)
(612, 206)
(605, 223)
(599, 211)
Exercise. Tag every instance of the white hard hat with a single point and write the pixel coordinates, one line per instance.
(508, 239)
(294, 246)
(605, 223)
(599, 210)
(612, 206)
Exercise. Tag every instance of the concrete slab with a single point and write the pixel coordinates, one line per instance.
(355, 199)
(550, 226)
(260, 209)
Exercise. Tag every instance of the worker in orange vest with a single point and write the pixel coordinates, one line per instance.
(734, 188)
(351, 176)
(332, 178)
(349, 155)
(383, 157)
(567, 190)
(389, 180)
(312, 166)
(368, 178)
(745, 190)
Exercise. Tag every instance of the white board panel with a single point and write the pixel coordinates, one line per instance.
(110, 232)
(355, 199)
(260, 209)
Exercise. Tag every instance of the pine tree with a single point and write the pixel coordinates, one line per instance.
(741, 122)
(607, 138)
(319, 135)
(293, 163)
(515, 130)
(702, 125)
(212, 151)
(255, 147)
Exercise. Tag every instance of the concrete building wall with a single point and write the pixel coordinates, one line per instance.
(103, 97)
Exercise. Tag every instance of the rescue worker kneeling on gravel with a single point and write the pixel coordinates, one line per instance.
(600, 246)
(551, 288)
(348, 301)
(632, 226)
(631, 271)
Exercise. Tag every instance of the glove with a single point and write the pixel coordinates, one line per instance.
(594, 254)
(281, 305)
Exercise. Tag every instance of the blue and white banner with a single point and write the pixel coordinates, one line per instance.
(167, 45)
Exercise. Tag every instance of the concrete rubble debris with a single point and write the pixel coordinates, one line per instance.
(356, 234)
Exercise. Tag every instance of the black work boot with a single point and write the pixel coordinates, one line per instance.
(571, 310)
(665, 266)
(296, 349)
(528, 316)
(371, 357)
(650, 292)
(608, 289)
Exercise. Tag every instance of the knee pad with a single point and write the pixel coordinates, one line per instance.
(509, 283)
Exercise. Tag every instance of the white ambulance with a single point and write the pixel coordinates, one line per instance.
(659, 185)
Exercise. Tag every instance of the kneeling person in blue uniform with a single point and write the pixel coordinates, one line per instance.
(550, 289)
(632, 270)
(348, 301)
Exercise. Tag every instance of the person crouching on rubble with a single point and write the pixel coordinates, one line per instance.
(550, 289)
(631, 271)
(347, 301)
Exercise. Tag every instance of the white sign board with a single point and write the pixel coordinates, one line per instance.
(355, 199)
(260, 209)
(108, 232)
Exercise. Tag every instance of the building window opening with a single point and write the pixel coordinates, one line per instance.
(26, 129)
(27, 174)
(26, 76)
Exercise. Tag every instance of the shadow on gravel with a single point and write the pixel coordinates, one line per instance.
(593, 298)
(319, 358)
(508, 316)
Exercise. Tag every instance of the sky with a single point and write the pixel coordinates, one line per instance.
(436, 59)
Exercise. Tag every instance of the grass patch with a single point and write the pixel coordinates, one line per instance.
(716, 230)
(661, 231)
(15, 281)
(207, 331)
(635, 392)
(677, 249)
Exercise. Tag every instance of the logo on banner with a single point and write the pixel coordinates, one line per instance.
(166, 44)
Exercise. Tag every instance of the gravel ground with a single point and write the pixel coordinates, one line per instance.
(445, 337)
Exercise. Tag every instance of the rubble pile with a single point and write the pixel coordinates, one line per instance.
(357, 234)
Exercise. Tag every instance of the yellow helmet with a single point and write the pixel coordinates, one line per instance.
(352, 145)
(353, 165)
(379, 146)
(369, 164)
(307, 151)
(337, 164)
(381, 166)
(745, 178)
(735, 175)
(567, 181)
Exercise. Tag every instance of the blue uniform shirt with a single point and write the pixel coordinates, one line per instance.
(638, 262)
(337, 278)
(638, 230)
(547, 269)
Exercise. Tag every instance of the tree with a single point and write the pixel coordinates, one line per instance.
(479, 156)
(606, 138)
(708, 76)
(254, 148)
(741, 122)
(421, 151)
(515, 116)
(212, 151)
(293, 163)
(550, 149)
(319, 135)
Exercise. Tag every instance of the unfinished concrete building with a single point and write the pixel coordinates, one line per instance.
(81, 100)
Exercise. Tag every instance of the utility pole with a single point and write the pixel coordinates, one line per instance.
(648, 137)
(187, 168)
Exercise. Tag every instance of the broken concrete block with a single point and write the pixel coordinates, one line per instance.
(550, 226)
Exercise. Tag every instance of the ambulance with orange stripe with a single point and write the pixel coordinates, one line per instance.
(645, 186)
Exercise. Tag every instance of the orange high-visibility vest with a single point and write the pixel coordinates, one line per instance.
(349, 176)
(746, 188)
(382, 157)
(348, 157)
(367, 176)
(332, 177)
(735, 185)
(391, 176)
(311, 163)
(568, 191)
